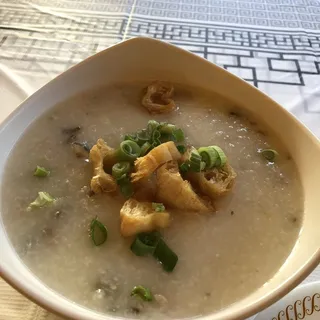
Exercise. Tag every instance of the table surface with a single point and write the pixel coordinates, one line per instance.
(273, 44)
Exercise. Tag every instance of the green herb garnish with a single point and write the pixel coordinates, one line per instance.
(142, 137)
(195, 161)
(222, 158)
(145, 148)
(98, 232)
(156, 135)
(184, 167)
(269, 154)
(125, 186)
(41, 172)
(142, 292)
(158, 207)
(145, 243)
(120, 168)
(153, 244)
(178, 135)
(209, 155)
(182, 149)
(128, 151)
(43, 199)
(152, 125)
(165, 256)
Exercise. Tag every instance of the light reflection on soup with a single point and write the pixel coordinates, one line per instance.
(223, 257)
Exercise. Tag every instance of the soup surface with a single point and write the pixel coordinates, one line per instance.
(223, 256)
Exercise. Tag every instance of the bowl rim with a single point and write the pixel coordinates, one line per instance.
(248, 310)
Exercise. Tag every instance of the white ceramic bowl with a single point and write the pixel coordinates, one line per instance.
(143, 59)
(303, 303)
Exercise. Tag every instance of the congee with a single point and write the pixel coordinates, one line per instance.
(151, 201)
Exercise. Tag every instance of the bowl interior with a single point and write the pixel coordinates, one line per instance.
(144, 59)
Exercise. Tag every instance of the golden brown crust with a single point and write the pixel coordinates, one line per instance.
(215, 182)
(102, 181)
(157, 99)
(139, 217)
(145, 166)
(177, 193)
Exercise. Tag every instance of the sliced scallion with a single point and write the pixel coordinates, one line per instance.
(167, 128)
(156, 135)
(145, 243)
(184, 167)
(125, 186)
(128, 151)
(178, 135)
(195, 161)
(209, 155)
(152, 244)
(152, 125)
(143, 136)
(158, 207)
(43, 199)
(142, 292)
(41, 172)
(145, 148)
(98, 232)
(269, 154)
(165, 256)
(182, 149)
(222, 159)
(120, 168)
(131, 137)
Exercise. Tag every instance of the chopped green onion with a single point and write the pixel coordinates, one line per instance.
(182, 149)
(145, 243)
(156, 138)
(43, 199)
(143, 136)
(120, 168)
(222, 159)
(98, 232)
(125, 186)
(130, 137)
(41, 172)
(195, 161)
(142, 292)
(145, 148)
(178, 135)
(184, 167)
(152, 243)
(209, 155)
(152, 125)
(269, 154)
(158, 207)
(165, 255)
(167, 128)
(128, 151)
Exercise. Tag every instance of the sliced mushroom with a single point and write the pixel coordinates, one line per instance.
(158, 98)
(177, 193)
(214, 182)
(102, 181)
